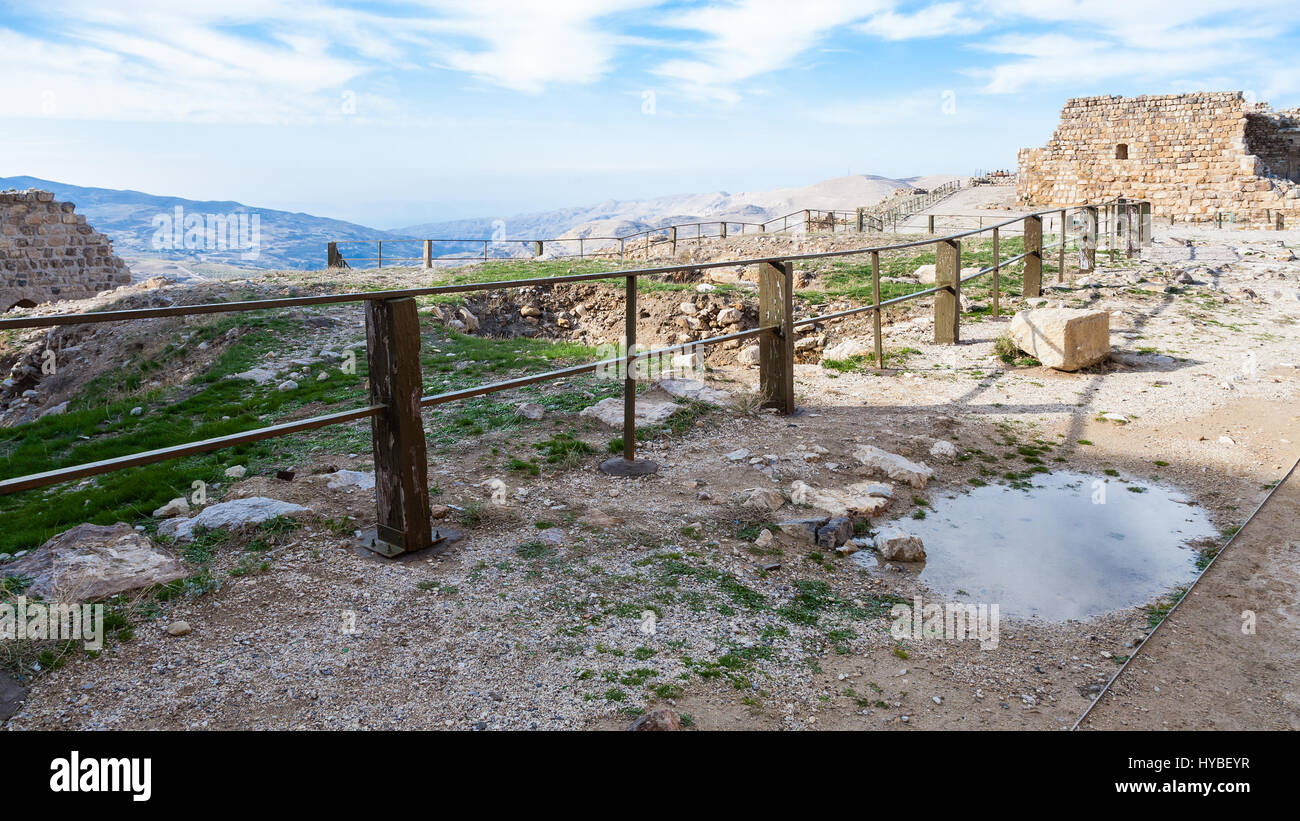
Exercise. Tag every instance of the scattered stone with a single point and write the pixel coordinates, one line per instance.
(925, 274)
(894, 466)
(1066, 339)
(363, 479)
(437, 511)
(738, 455)
(895, 544)
(175, 507)
(650, 410)
(765, 538)
(943, 449)
(229, 515)
(762, 499)
(694, 389)
(835, 532)
(93, 562)
(854, 500)
(749, 355)
(730, 316)
(531, 410)
(136, 411)
(845, 349)
(179, 628)
(659, 720)
(236, 472)
(287, 385)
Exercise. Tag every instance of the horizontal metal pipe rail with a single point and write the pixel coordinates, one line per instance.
(396, 385)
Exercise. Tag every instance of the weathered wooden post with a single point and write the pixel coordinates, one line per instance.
(862, 216)
(628, 464)
(1060, 261)
(807, 221)
(930, 224)
(1089, 238)
(379, 254)
(1033, 284)
(672, 239)
(722, 230)
(580, 248)
(537, 248)
(428, 253)
(776, 348)
(997, 272)
(875, 315)
(622, 250)
(947, 300)
(401, 470)
(333, 259)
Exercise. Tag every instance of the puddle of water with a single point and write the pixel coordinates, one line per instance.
(1052, 553)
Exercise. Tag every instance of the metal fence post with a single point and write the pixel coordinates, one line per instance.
(875, 315)
(997, 273)
(628, 464)
(947, 300)
(1033, 284)
(776, 348)
(401, 469)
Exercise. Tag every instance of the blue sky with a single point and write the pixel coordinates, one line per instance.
(402, 112)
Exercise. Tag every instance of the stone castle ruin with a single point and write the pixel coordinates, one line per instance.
(1196, 157)
(47, 252)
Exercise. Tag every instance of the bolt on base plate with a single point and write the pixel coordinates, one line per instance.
(370, 541)
(618, 466)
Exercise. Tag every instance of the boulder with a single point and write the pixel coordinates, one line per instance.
(730, 316)
(749, 355)
(1063, 338)
(650, 410)
(93, 562)
(761, 499)
(896, 544)
(894, 466)
(530, 410)
(858, 499)
(229, 515)
(925, 274)
(175, 507)
(694, 389)
(661, 720)
(363, 479)
(943, 449)
(845, 349)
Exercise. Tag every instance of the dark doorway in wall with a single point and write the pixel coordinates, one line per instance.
(22, 303)
(1121, 151)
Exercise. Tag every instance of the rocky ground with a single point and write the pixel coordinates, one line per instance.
(576, 600)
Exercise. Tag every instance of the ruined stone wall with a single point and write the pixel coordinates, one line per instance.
(47, 252)
(1192, 155)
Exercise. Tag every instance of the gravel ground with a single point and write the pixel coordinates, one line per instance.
(536, 618)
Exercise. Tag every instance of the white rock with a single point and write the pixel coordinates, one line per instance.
(943, 449)
(136, 411)
(232, 514)
(1063, 338)
(749, 355)
(259, 375)
(854, 500)
(694, 389)
(363, 479)
(738, 455)
(288, 385)
(894, 466)
(845, 349)
(530, 410)
(175, 507)
(471, 321)
(730, 316)
(896, 544)
(687, 308)
(764, 499)
(649, 410)
(925, 274)
(765, 538)
(91, 562)
(236, 472)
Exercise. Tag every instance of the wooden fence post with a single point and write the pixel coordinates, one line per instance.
(672, 238)
(428, 253)
(947, 300)
(332, 257)
(862, 216)
(1060, 259)
(1089, 238)
(776, 349)
(875, 315)
(379, 254)
(722, 230)
(1033, 285)
(401, 470)
(930, 225)
(537, 249)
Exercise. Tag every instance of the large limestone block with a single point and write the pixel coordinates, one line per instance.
(93, 562)
(229, 515)
(651, 409)
(894, 466)
(1063, 338)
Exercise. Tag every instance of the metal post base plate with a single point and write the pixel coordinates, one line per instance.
(618, 466)
(370, 541)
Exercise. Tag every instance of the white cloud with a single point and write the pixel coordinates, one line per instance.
(743, 39)
(939, 20)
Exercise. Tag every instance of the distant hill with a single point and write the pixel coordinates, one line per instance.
(288, 240)
(129, 218)
(619, 217)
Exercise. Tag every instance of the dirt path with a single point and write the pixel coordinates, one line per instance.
(1228, 658)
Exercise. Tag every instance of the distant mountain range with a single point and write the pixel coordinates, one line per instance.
(150, 231)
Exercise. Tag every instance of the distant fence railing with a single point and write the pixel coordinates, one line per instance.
(808, 220)
(404, 521)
